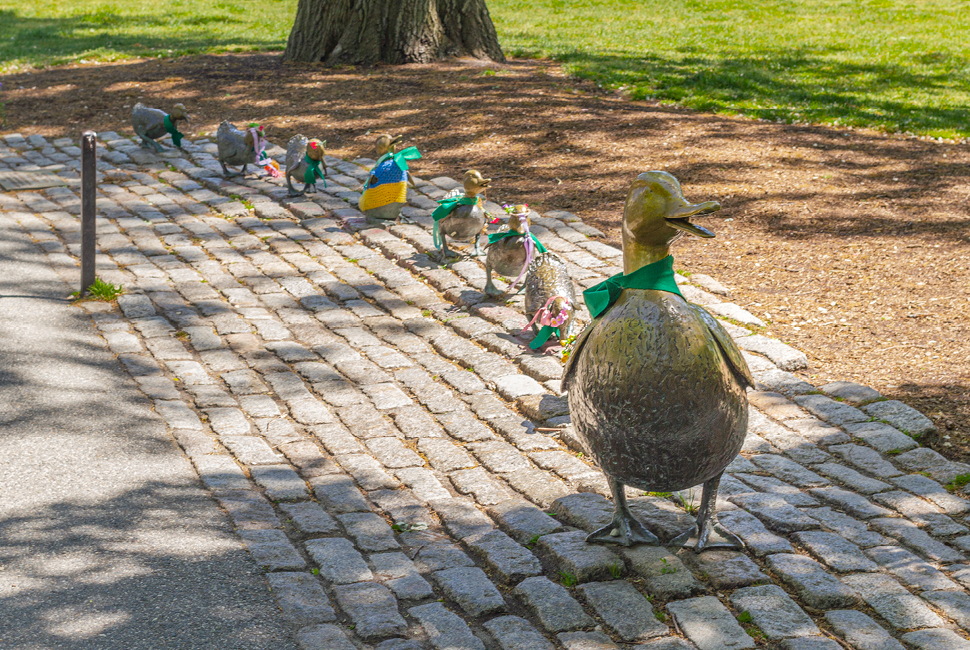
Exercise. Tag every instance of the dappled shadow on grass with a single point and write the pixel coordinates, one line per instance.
(104, 34)
(800, 84)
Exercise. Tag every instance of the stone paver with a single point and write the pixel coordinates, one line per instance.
(339, 401)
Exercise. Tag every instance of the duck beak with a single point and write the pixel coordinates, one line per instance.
(680, 218)
(485, 181)
(397, 139)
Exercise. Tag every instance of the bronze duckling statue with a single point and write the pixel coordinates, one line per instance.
(304, 162)
(461, 216)
(550, 299)
(386, 190)
(656, 385)
(238, 147)
(509, 252)
(152, 123)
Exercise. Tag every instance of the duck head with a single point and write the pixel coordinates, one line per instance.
(178, 113)
(519, 220)
(473, 183)
(386, 143)
(315, 149)
(656, 213)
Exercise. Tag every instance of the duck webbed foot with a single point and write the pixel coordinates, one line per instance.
(624, 530)
(228, 173)
(708, 531)
(310, 188)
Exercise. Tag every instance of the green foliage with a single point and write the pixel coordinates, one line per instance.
(666, 567)
(567, 579)
(744, 617)
(50, 32)
(616, 570)
(892, 66)
(958, 482)
(532, 541)
(101, 290)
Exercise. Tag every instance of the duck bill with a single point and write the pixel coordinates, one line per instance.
(680, 219)
(397, 139)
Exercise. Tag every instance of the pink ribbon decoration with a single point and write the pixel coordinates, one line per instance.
(530, 252)
(546, 317)
(259, 146)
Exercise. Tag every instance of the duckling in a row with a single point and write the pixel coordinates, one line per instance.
(152, 123)
(304, 162)
(550, 299)
(248, 147)
(509, 252)
(386, 190)
(656, 385)
(461, 216)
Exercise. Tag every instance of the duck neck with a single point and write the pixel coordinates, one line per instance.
(636, 256)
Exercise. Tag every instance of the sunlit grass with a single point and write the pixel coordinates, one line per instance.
(890, 65)
(39, 33)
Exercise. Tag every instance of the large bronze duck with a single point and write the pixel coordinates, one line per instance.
(238, 147)
(656, 386)
(461, 215)
(152, 123)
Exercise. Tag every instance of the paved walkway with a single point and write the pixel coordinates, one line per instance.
(107, 537)
(403, 468)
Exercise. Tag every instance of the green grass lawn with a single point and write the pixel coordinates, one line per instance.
(36, 33)
(894, 65)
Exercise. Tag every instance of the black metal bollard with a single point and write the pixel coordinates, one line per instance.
(88, 208)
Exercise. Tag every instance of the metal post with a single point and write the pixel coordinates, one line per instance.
(88, 186)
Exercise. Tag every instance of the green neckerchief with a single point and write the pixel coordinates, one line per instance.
(401, 157)
(170, 127)
(544, 333)
(313, 172)
(494, 237)
(658, 276)
(444, 209)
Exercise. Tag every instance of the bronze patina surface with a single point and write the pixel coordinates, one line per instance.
(149, 123)
(236, 147)
(507, 256)
(656, 386)
(547, 278)
(298, 148)
(465, 221)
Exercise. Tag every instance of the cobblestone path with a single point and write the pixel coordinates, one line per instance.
(403, 468)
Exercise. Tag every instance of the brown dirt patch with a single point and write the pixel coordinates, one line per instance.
(854, 245)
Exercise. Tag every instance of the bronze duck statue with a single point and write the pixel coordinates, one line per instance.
(241, 147)
(386, 190)
(550, 299)
(461, 216)
(304, 162)
(509, 252)
(152, 123)
(656, 385)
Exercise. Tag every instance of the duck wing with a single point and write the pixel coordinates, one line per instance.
(295, 151)
(578, 344)
(726, 345)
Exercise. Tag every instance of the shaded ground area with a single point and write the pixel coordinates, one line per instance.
(852, 245)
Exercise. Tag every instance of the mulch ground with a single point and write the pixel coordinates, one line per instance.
(853, 245)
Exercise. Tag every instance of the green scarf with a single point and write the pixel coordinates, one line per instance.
(313, 172)
(658, 276)
(494, 237)
(401, 157)
(170, 127)
(544, 333)
(444, 209)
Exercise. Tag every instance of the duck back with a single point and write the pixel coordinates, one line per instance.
(653, 396)
(464, 222)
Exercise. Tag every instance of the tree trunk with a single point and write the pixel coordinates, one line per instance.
(364, 32)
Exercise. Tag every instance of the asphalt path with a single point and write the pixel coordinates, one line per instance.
(108, 539)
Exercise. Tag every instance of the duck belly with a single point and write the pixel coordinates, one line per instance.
(507, 256)
(653, 400)
(464, 222)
